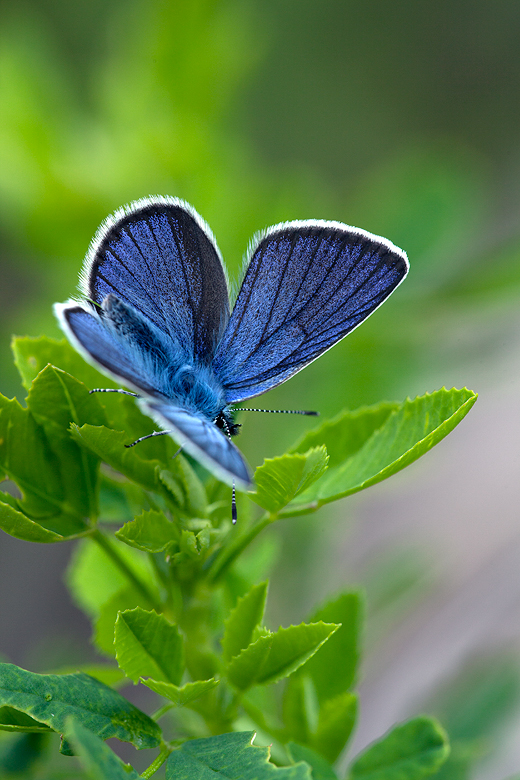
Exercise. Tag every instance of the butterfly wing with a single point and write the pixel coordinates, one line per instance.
(101, 348)
(203, 440)
(156, 295)
(307, 285)
(160, 257)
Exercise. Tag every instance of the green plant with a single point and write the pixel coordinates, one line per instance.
(171, 606)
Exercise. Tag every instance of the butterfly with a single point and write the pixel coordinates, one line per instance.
(155, 314)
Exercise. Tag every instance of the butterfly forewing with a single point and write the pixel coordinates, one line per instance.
(307, 286)
(159, 256)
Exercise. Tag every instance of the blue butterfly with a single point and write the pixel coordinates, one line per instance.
(155, 314)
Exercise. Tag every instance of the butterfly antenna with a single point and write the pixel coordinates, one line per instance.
(178, 451)
(110, 390)
(149, 436)
(278, 411)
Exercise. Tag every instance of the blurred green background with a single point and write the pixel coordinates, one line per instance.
(400, 118)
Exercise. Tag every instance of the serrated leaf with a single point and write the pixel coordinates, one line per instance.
(336, 720)
(150, 531)
(38, 477)
(228, 757)
(148, 646)
(333, 669)
(185, 695)
(277, 655)
(345, 434)
(31, 355)
(109, 445)
(51, 698)
(405, 434)
(321, 769)
(100, 762)
(280, 480)
(56, 400)
(104, 626)
(242, 621)
(410, 751)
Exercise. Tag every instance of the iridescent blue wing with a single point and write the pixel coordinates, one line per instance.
(203, 440)
(307, 285)
(160, 257)
(101, 347)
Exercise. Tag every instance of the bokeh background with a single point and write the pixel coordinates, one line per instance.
(401, 118)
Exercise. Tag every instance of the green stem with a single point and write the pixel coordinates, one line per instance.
(158, 714)
(159, 761)
(226, 558)
(105, 543)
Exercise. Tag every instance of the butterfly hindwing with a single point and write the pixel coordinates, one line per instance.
(307, 285)
(203, 440)
(159, 256)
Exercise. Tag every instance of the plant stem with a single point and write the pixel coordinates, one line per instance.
(105, 543)
(159, 761)
(226, 558)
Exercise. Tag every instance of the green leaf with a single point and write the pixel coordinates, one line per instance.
(100, 762)
(184, 486)
(184, 696)
(242, 621)
(38, 477)
(56, 400)
(151, 531)
(108, 675)
(50, 698)
(333, 669)
(300, 708)
(20, 526)
(228, 757)
(321, 769)
(125, 599)
(31, 355)
(109, 445)
(275, 656)
(94, 578)
(406, 433)
(410, 751)
(345, 434)
(336, 720)
(280, 480)
(14, 720)
(148, 646)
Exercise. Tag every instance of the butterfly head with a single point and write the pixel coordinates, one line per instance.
(224, 421)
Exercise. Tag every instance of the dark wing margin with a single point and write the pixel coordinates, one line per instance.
(307, 285)
(202, 440)
(159, 256)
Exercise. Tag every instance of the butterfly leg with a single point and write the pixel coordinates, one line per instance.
(234, 514)
(149, 436)
(110, 390)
